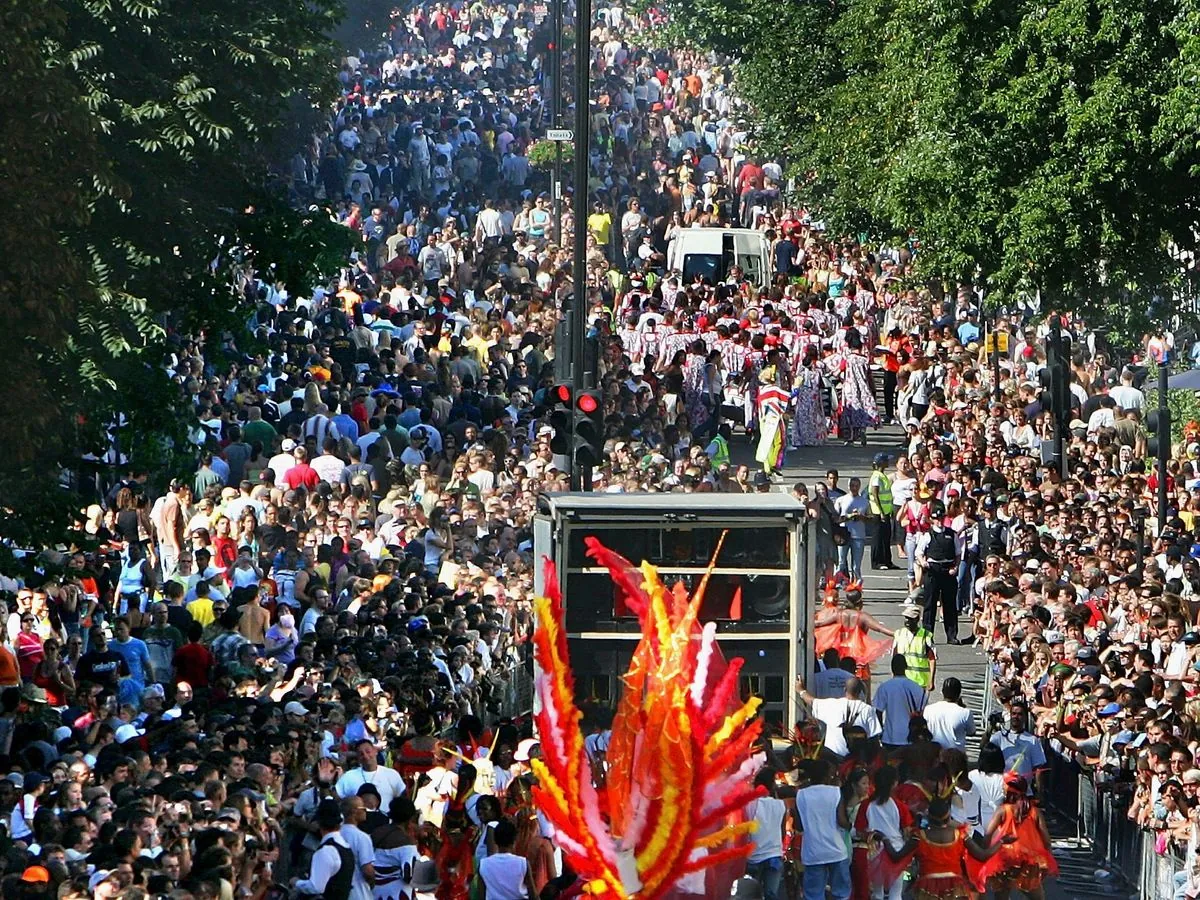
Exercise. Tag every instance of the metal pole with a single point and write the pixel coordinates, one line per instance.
(1062, 411)
(1164, 441)
(583, 121)
(996, 392)
(556, 98)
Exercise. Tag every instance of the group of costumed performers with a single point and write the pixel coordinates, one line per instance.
(913, 833)
(843, 625)
(672, 808)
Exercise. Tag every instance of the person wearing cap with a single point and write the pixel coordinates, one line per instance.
(914, 642)
(331, 874)
(104, 884)
(883, 512)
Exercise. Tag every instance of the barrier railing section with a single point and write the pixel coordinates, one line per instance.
(1120, 848)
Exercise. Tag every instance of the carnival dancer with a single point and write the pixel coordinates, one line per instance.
(1018, 831)
(845, 627)
(946, 856)
(772, 403)
(856, 407)
(889, 822)
(809, 427)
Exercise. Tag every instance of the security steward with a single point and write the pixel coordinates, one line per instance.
(883, 511)
(915, 643)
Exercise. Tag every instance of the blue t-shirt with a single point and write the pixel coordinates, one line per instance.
(137, 656)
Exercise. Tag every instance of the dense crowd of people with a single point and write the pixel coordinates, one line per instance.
(302, 668)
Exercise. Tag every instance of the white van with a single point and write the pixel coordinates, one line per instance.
(710, 252)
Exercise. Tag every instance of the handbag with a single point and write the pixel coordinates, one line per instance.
(841, 534)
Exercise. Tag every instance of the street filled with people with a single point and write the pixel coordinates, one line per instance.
(304, 667)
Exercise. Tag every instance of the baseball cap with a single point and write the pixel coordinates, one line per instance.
(127, 732)
(294, 708)
(36, 875)
(99, 877)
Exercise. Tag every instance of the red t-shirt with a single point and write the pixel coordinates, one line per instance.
(192, 664)
(301, 475)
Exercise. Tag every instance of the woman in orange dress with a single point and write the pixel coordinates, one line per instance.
(1019, 833)
(945, 856)
(846, 628)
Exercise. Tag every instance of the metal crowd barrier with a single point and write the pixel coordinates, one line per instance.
(1118, 845)
(512, 689)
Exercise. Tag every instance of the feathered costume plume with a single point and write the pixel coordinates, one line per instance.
(680, 762)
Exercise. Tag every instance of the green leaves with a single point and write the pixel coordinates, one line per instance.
(139, 129)
(1051, 147)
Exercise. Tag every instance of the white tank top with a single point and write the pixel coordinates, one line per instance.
(132, 579)
(244, 577)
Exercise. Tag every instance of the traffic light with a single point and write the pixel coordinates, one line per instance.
(589, 428)
(1158, 428)
(559, 398)
(1046, 396)
(1055, 378)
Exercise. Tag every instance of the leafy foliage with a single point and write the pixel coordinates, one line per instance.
(1029, 146)
(148, 130)
(541, 154)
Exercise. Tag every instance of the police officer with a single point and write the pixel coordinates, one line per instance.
(937, 555)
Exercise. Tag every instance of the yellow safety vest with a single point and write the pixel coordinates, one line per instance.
(721, 457)
(885, 505)
(915, 650)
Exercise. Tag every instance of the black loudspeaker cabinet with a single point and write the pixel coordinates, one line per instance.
(759, 594)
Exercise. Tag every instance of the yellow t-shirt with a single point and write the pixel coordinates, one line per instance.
(202, 611)
(479, 346)
(600, 225)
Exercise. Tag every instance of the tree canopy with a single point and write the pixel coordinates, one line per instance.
(1029, 146)
(142, 139)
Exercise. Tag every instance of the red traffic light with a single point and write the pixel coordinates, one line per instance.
(587, 404)
(563, 393)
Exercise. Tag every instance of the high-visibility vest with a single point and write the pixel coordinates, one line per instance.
(721, 457)
(915, 650)
(886, 507)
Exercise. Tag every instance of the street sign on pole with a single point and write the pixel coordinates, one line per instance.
(565, 135)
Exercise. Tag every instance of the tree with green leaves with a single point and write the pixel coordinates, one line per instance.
(1028, 146)
(143, 135)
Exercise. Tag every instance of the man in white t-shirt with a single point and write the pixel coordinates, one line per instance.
(949, 721)
(386, 780)
(505, 875)
(823, 818)
(765, 862)
(838, 712)
(898, 699)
